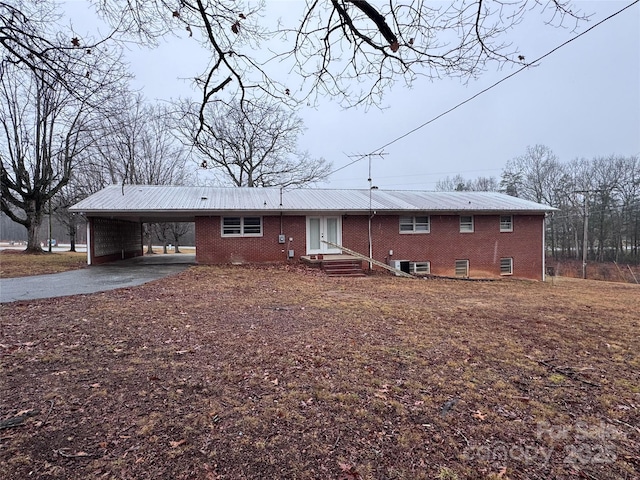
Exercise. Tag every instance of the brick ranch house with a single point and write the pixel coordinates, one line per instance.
(467, 234)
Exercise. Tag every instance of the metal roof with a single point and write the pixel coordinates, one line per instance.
(180, 203)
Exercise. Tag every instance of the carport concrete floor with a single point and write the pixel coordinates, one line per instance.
(95, 278)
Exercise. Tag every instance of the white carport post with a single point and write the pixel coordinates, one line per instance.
(89, 259)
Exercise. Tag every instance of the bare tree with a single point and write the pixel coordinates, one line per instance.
(351, 50)
(459, 184)
(135, 145)
(31, 36)
(534, 175)
(177, 231)
(598, 199)
(251, 147)
(537, 176)
(43, 124)
(68, 195)
(456, 183)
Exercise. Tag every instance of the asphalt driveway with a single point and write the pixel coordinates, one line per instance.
(96, 278)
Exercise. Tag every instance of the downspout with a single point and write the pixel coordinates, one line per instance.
(370, 240)
(372, 213)
(286, 252)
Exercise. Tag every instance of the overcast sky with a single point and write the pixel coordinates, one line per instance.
(582, 101)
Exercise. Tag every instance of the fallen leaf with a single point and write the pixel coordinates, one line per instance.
(479, 415)
(349, 472)
(176, 444)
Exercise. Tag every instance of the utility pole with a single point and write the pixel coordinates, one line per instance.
(585, 232)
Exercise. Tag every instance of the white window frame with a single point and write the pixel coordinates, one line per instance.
(459, 265)
(506, 226)
(414, 224)
(420, 268)
(242, 227)
(506, 266)
(467, 227)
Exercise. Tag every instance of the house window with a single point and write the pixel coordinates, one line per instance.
(242, 227)
(414, 224)
(506, 266)
(506, 223)
(420, 268)
(462, 268)
(466, 223)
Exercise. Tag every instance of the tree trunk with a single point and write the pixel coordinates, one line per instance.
(177, 250)
(33, 242)
(149, 240)
(72, 237)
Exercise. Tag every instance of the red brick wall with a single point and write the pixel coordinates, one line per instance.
(212, 247)
(445, 244)
(442, 246)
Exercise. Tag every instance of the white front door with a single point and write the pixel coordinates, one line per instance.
(321, 229)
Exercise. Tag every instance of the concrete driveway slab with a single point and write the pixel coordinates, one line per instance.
(96, 278)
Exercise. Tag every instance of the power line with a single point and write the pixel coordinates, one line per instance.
(481, 92)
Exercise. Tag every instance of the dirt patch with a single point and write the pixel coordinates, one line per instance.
(276, 372)
(16, 263)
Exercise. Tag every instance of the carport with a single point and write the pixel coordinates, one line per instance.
(119, 237)
(116, 233)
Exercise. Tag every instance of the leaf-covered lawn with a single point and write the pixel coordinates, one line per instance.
(277, 372)
(15, 263)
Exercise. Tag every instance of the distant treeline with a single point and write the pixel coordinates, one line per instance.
(604, 192)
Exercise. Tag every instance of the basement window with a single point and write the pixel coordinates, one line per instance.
(462, 268)
(420, 268)
(506, 266)
(414, 224)
(506, 223)
(242, 226)
(466, 223)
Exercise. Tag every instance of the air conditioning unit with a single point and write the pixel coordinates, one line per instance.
(403, 265)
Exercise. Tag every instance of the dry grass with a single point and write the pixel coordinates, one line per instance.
(607, 271)
(15, 263)
(275, 372)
